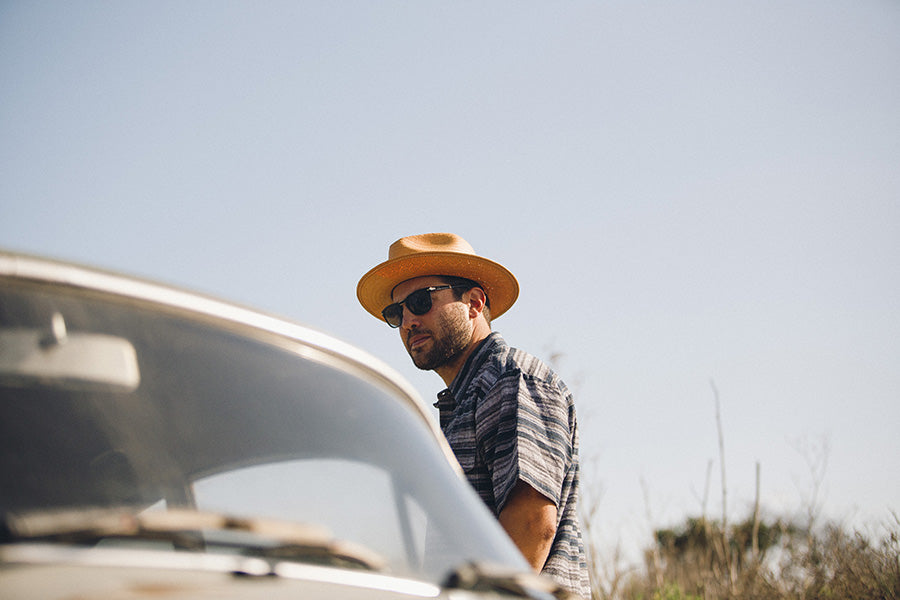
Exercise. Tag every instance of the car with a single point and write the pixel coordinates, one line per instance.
(159, 443)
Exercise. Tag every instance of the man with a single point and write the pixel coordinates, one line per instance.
(508, 417)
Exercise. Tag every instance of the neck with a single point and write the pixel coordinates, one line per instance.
(449, 371)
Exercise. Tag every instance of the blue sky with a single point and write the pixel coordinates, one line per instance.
(689, 193)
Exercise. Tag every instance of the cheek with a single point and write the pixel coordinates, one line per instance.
(453, 316)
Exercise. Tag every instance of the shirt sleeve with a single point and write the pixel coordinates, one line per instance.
(523, 433)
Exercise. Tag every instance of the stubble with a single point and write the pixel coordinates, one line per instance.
(449, 341)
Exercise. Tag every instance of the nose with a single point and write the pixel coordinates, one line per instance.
(410, 321)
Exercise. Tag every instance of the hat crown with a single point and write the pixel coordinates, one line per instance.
(429, 242)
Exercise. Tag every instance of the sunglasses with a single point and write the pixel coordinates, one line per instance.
(418, 303)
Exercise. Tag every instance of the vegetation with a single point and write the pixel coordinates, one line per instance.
(757, 558)
(698, 560)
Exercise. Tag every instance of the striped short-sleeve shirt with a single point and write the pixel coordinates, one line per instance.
(509, 417)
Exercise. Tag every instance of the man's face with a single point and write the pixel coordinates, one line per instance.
(439, 337)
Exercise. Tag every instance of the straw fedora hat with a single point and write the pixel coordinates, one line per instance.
(436, 254)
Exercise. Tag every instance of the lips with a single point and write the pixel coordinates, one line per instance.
(416, 340)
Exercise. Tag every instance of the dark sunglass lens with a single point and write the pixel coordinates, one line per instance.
(419, 302)
(393, 314)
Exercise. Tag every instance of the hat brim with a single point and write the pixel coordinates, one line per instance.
(375, 287)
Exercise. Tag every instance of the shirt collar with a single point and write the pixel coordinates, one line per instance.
(447, 397)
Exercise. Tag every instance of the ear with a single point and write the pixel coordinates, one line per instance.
(477, 300)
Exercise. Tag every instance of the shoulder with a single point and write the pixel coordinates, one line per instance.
(507, 366)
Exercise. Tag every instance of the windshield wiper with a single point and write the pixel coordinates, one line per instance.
(193, 530)
(483, 577)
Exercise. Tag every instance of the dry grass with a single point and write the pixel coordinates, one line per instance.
(700, 561)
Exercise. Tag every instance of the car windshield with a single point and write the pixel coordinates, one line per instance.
(193, 412)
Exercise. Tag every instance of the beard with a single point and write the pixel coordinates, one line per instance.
(449, 342)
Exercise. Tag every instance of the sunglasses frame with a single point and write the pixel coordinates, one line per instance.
(428, 290)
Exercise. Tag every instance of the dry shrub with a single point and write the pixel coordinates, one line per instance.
(695, 561)
(837, 564)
